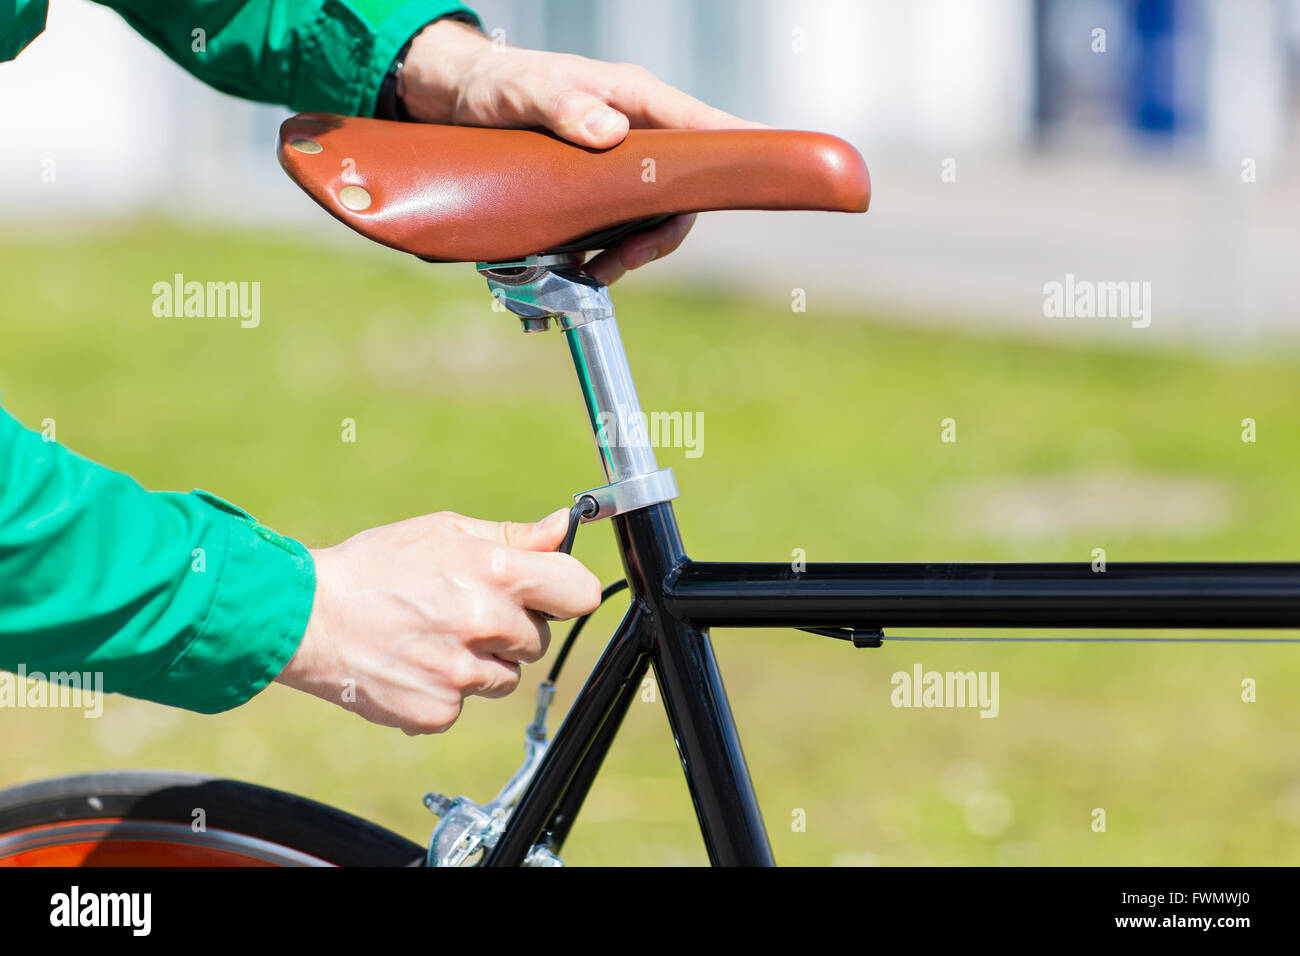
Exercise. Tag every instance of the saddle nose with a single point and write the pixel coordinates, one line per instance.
(467, 194)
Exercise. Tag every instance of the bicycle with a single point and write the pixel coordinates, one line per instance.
(527, 207)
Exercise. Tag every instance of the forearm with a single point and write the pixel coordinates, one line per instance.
(326, 55)
(175, 598)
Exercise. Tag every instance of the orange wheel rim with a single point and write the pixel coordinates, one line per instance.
(113, 841)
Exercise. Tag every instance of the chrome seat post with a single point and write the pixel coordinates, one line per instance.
(543, 289)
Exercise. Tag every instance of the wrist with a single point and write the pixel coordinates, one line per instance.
(305, 667)
(440, 57)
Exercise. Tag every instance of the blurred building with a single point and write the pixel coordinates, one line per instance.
(1010, 141)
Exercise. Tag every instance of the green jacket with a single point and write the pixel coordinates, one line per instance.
(182, 599)
(306, 54)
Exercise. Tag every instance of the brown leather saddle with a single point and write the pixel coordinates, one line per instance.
(466, 194)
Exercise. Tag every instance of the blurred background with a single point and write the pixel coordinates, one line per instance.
(1011, 143)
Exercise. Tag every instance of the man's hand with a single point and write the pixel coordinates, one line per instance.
(412, 618)
(454, 74)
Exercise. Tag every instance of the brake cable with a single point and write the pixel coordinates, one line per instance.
(574, 631)
(1110, 640)
(871, 637)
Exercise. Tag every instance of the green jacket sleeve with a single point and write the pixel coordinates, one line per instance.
(306, 54)
(20, 23)
(177, 598)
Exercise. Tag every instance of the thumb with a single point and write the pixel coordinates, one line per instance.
(582, 118)
(544, 535)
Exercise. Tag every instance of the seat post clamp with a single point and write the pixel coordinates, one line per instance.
(539, 289)
(630, 494)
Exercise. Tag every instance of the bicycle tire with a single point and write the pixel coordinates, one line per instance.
(149, 818)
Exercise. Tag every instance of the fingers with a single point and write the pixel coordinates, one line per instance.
(496, 678)
(523, 638)
(423, 716)
(638, 250)
(555, 584)
(474, 676)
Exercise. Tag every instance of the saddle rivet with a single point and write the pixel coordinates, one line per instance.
(306, 146)
(355, 198)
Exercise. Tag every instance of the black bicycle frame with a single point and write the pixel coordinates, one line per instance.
(674, 602)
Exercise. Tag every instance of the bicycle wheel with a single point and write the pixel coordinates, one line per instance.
(152, 818)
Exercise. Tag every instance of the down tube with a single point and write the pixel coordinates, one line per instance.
(694, 698)
(557, 831)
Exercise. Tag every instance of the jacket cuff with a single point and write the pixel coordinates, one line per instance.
(365, 35)
(387, 104)
(262, 601)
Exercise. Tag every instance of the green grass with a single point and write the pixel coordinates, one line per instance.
(821, 433)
